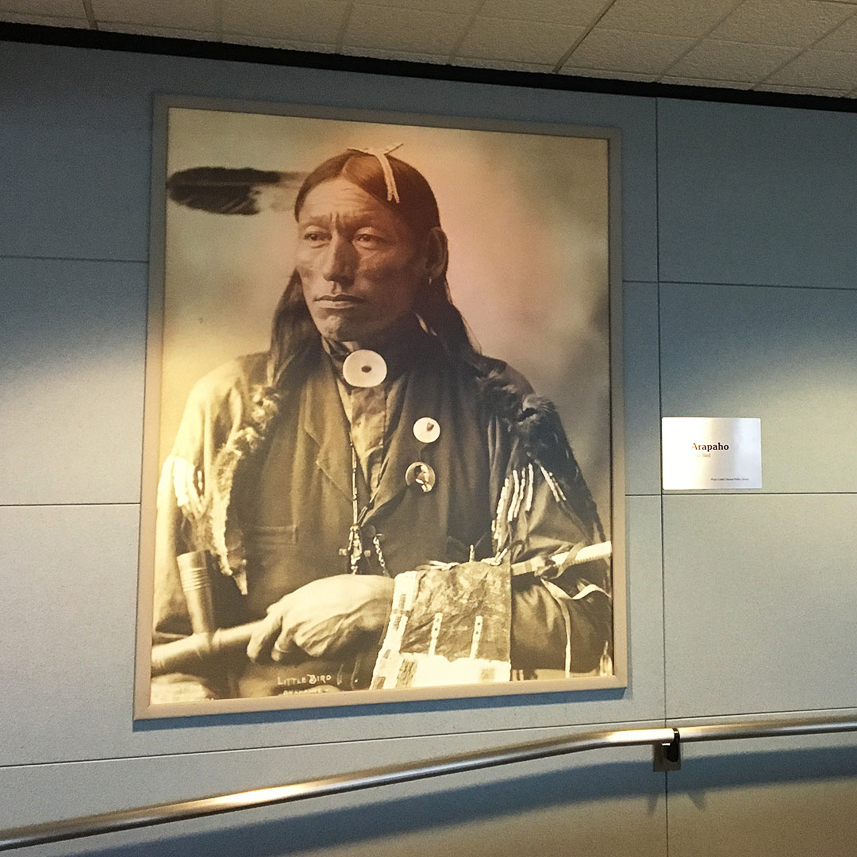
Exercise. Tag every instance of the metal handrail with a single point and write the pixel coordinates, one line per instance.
(148, 816)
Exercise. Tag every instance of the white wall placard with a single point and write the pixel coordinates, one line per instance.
(712, 453)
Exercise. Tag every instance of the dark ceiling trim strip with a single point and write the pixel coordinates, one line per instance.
(102, 40)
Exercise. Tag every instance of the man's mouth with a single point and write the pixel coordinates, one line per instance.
(340, 299)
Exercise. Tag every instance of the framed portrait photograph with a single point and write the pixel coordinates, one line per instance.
(383, 424)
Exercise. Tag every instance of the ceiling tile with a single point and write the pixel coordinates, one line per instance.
(580, 13)
(696, 81)
(518, 41)
(56, 8)
(456, 7)
(43, 20)
(796, 23)
(801, 90)
(279, 44)
(196, 15)
(668, 17)
(502, 65)
(641, 53)
(298, 20)
(161, 32)
(410, 30)
(386, 54)
(826, 69)
(606, 74)
(843, 38)
(732, 61)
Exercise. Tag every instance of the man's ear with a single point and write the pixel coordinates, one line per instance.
(437, 252)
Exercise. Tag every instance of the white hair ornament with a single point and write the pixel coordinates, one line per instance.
(387, 169)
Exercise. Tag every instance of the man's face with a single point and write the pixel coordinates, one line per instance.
(360, 265)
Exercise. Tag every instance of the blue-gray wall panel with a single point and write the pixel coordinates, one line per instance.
(752, 194)
(72, 357)
(606, 803)
(77, 129)
(68, 641)
(641, 388)
(67, 636)
(785, 355)
(784, 797)
(759, 603)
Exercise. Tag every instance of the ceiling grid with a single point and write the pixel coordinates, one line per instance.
(799, 46)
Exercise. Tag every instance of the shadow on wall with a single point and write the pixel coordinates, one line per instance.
(735, 770)
(613, 808)
(474, 704)
(522, 815)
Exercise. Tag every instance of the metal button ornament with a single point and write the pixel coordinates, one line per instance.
(364, 368)
(421, 475)
(426, 430)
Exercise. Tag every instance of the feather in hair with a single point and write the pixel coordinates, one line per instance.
(223, 190)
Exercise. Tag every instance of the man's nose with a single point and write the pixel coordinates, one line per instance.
(339, 261)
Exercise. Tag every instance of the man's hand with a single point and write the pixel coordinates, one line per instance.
(323, 617)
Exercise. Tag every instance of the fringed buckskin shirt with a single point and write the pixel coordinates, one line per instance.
(260, 480)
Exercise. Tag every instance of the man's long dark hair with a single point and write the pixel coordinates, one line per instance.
(534, 422)
(293, 330)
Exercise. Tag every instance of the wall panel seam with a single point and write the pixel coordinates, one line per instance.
(741, 285)
(28, 257)
(511, 731)
(71, 505)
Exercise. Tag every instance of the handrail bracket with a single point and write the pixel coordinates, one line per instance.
(667, 757)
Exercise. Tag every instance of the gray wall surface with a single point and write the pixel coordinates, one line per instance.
(739, 300)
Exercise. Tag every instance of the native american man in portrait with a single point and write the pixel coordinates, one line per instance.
(371, 502)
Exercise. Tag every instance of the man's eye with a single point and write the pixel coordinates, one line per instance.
(368, 239)
(315, 236)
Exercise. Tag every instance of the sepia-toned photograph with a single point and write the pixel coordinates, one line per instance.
(382, 433)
